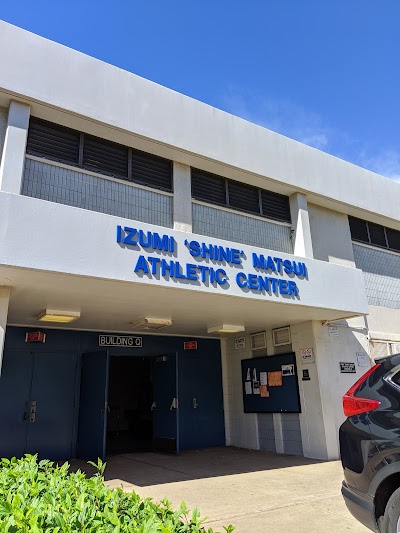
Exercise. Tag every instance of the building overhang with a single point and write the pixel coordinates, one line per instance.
(114, 271)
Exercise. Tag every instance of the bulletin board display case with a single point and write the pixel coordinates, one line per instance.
(270, 384)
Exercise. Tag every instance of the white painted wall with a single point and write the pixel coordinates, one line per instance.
(303, 245)
(42, 71)
(241, 429)
(4, 302)
(3, 127)
(13, 156)
(76, 241)
(330, 233)
(182, 200)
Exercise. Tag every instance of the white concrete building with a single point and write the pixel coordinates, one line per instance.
(121, 200)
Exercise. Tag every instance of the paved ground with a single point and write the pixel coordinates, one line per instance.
(258, 492)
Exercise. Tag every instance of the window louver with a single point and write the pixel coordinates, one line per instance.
(105, 157)
(151, 170)
(51, 141)
(218, 190)
(275, 206)
(208, 187)
(371, 233)
(358, 229)
(393, 238)
(72, 147)
(258, 341)
(243, 197)
(377, 234)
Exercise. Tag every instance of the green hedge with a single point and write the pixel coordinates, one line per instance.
(42, 496)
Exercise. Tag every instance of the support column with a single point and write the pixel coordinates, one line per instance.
(301, 226)
(182, 197)
(12, 161)
(318, 433)
(4, 301)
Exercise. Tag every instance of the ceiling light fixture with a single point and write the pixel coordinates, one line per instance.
(225, 328)
(151, 323)
(60, 317)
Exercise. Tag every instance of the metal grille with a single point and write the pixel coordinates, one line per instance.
(368, 232)
(222, 191)
(208, 187)
(51, 141)
(275, 206)
(58, 143)
(105, 157)
(393, 238)
(151, 170)
(243, 197)
(358, 229)
(377, 234)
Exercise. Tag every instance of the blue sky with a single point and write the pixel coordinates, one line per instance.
(324, 73)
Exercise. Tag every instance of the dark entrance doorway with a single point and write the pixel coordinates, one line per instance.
(130, 400)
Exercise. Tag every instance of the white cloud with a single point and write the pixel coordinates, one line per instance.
(282, 116)
(297, 122)
(387, 163)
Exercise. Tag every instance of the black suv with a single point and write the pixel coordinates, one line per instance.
(370, 447)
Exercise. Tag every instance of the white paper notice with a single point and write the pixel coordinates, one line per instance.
(263, 378)
(256, 387)
(248, 387)
(287, 370)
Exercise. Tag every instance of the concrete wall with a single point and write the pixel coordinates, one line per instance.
(264, 431)
(241, 429)
(231, 226)
(330, 233)
(3, 127)
(381, 275)
(46, 72)
(330, 351)
(78, 189)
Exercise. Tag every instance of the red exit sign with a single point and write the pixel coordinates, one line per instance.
(35, 336)
(190, 345)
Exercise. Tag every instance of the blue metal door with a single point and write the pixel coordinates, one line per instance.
(51, 414)
(166, 404)
(15, 385)
(93, 406)
(201, 401)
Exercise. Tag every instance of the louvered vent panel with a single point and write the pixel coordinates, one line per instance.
(258, 341)
(393, 238)
(358, 229)
(151, 170)
(105, 157)
(275, 206)
(377, 234)
(281, 336)
(51, 141)
(208, 187)
(243, 197)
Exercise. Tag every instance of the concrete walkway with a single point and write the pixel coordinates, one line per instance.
(258, 492)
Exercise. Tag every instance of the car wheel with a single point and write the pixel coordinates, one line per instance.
(391, 519)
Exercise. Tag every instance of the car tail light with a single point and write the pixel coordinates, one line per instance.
(353, 405)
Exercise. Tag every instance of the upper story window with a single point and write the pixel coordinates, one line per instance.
(375, 234)
(218, 190)
(78, 149)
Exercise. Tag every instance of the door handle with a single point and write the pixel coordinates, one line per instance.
(32, 413)
(195, 403)
(174, 404)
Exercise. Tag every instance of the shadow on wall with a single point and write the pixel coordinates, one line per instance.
(146, 469)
